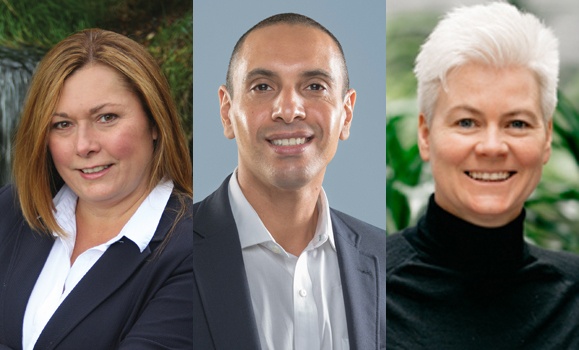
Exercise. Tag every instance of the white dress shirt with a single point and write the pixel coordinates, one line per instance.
(58, 278)
(297, 301)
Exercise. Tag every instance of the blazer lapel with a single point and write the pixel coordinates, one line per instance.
(220, 274)
(360, 285)
(122, 257)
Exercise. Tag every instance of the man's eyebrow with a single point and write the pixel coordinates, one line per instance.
(319, 73)
(259, 72)
(262, 72)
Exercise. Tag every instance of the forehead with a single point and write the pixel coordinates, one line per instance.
(287, 48)
(93, 82)
(490, 88)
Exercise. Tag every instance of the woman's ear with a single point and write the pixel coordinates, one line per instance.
(423, 137)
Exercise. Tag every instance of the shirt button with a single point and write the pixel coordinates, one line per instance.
(275, 249)
(303, 293)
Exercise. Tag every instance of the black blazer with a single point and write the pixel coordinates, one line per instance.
(223, 313)
(127, 300)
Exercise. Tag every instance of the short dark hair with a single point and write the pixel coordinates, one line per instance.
(285, 18)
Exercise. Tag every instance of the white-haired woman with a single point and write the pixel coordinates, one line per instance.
(464, 278)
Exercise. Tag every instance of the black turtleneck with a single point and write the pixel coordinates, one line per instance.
(454, 285)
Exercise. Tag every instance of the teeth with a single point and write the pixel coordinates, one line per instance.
(289, 142)
(95, 169)
(489, 176)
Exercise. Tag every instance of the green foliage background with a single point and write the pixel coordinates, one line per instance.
(552, 210)
(165, 27)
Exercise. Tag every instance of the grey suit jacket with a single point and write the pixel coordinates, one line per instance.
(223, 313)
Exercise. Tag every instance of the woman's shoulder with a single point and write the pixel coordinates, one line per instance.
(176, 225)
(7, 191)
(399, 251)
(8, 201)
(10, 212)
(566, 263)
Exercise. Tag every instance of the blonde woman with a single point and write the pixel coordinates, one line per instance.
(96, 232)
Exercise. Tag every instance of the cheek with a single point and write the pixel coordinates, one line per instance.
(328, 120)
(127, 144)
(531, 157)
(59, 151)
(246, 124)
(123, 149)
(448, 150)
(531, 152)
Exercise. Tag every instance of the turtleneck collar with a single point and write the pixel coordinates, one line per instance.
(460, 245)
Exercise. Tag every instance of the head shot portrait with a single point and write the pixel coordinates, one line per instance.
(358, 165)
(288, 102)
(464, 276)
(96, 230)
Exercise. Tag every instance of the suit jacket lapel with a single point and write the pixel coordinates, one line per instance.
(123, 257)
(220, 274)
(360, 285)
(116, 265)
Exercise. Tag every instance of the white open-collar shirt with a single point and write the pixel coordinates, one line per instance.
(297, 300)
(58, 278)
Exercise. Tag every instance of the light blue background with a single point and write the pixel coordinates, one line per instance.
(355, 179)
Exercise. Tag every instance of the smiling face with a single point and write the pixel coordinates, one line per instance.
(288, 109)
(487, 143)
(100, 138)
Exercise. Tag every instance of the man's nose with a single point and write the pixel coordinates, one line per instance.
(288, 106)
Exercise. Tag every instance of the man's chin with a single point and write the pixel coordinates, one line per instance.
(292, 180)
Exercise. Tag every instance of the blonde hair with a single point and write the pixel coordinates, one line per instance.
(497, 34)
(35, 176)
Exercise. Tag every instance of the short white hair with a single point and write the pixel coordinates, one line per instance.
(497, 34)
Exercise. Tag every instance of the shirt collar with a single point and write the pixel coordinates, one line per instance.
(142, 225)
(140, 228)
(252, 231)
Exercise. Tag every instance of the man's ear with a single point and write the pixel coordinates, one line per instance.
(349, 102)
(224, 108)
(423, 138)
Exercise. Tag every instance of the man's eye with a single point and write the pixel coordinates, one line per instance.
(316, 87)
(262, 87)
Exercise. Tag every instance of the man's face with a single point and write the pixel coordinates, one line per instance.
(288, 108)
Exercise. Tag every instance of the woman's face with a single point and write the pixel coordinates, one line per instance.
(487, 143)
(100, 138)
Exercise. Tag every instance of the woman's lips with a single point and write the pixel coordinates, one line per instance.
(95, 169)
(493, 176)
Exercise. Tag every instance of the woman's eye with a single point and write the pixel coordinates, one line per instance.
(466, 123)
(518, 124)
(107, 118)
(261, 87)
(61, 125)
